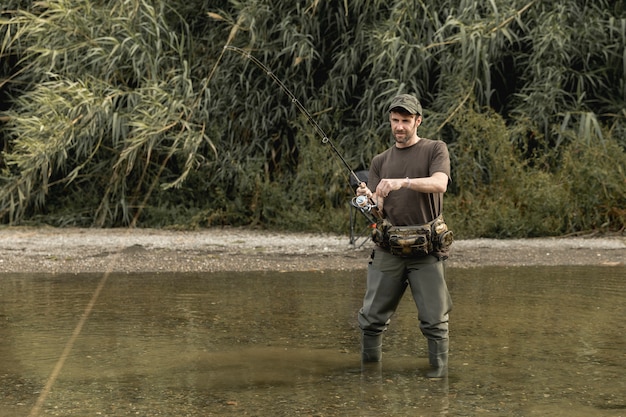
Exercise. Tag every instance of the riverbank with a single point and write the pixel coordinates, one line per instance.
(75, 250)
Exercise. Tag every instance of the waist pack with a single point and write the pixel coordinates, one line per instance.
(407, 241)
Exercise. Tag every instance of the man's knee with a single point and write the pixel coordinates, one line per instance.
(369, 324)
(434, 331)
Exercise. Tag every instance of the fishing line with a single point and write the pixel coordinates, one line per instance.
(360, 202)
(34, 412)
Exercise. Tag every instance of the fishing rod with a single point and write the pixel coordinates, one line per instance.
(362, 203)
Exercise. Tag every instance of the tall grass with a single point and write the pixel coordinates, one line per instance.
(123, 113)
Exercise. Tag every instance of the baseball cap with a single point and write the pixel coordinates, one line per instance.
(407, 102)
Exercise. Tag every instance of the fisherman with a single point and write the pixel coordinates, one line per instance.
(406, 183)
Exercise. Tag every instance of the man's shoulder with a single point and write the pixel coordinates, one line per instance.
(432, 142)
(434, 145)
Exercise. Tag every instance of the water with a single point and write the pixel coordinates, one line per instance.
(542, 341)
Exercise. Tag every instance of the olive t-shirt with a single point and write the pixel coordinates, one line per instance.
(406, 207)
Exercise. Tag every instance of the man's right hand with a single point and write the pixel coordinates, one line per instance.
(363, 190)
(375, 199)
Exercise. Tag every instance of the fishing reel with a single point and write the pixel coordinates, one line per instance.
(363, 203)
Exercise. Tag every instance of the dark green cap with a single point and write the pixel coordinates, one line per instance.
(407, 102)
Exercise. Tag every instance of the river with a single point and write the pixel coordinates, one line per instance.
(525, 341)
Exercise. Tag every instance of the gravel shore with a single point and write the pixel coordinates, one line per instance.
(75, 250)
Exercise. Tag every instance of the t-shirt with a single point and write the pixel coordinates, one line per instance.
(406, 207)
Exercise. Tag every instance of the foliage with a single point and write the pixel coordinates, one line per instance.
(594, 174)
(133, 113)
(106, 108)
(497, 193)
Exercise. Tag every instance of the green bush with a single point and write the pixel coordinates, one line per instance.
(594, 174)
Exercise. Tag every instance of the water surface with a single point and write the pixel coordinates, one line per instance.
(541, 341)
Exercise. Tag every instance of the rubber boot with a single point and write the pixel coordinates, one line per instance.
(372, 348)
(438, 358)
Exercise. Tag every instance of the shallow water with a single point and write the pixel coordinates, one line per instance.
(543, 341)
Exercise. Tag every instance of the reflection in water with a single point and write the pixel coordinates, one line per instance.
(539, 341)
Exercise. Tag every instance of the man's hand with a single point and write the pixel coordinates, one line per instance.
(373, 197)
(387, 185)
(363, 190)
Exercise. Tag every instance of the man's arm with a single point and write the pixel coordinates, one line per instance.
(436, 183)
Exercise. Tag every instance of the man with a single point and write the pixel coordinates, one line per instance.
(409, 180)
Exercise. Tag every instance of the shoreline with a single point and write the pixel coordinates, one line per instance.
(80, 250)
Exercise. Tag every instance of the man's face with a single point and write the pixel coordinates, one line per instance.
(404, 126)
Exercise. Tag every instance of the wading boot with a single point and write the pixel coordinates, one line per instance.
(438, 358)
(372, 348)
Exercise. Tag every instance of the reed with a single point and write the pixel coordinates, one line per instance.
(132, 113)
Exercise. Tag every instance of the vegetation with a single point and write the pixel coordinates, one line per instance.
(118, 113)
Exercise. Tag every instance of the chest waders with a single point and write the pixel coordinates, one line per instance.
(388, 278)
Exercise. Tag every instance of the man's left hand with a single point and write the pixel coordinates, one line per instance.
(387, 185)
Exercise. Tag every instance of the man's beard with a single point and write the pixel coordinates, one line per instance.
(403, 139)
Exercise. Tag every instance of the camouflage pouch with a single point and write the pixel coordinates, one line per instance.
(407, 241)
(410, 240)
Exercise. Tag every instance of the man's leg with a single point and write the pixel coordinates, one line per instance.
(385, 285)
(430, 292)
